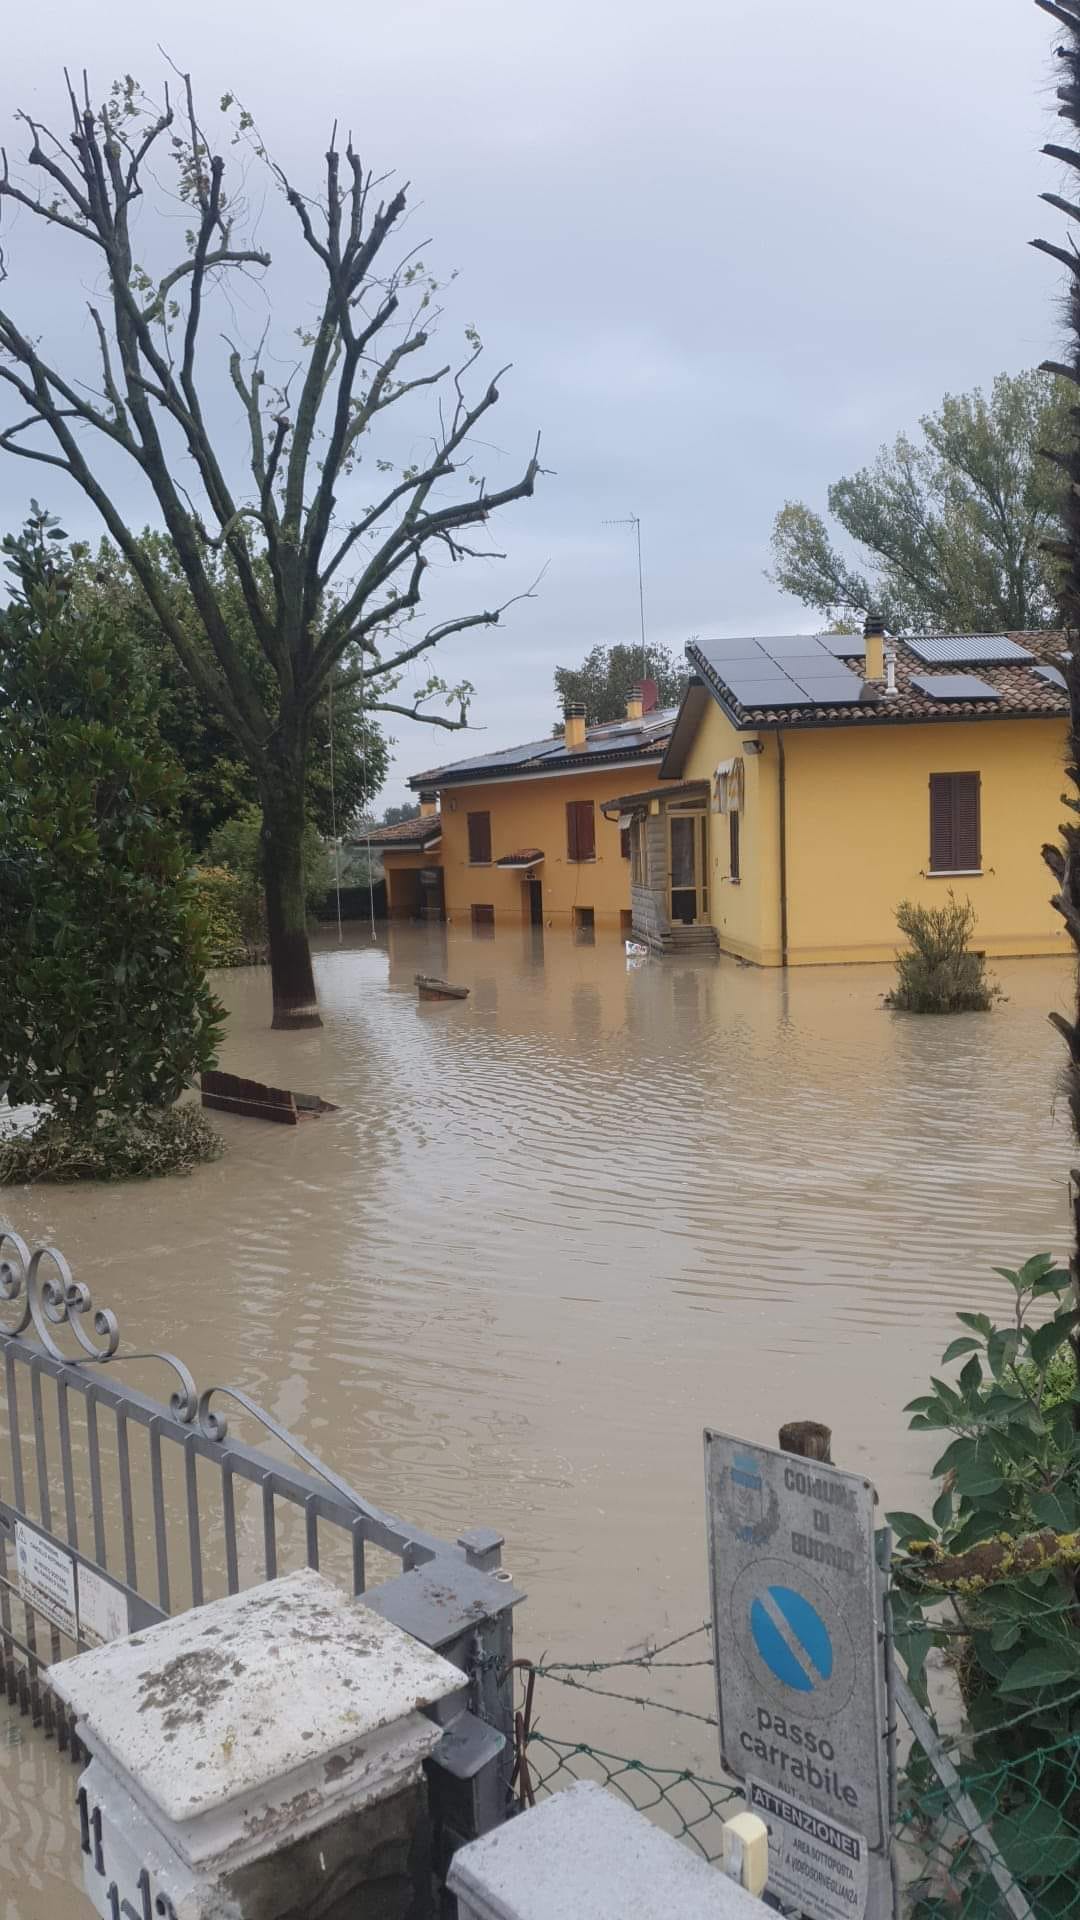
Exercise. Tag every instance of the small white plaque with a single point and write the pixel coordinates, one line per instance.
(46, 1577)
(103, 1609)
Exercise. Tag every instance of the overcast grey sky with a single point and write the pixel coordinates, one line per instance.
(729, 247)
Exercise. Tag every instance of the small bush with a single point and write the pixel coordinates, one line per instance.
(940, 974)
(225, 907)
(140, 1145)
(237, 846)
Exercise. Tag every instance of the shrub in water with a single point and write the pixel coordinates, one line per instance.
(940, 974)
(222, 898)
(127, 1146)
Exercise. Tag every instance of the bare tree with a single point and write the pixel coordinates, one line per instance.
(338, 586)
(1064, 860)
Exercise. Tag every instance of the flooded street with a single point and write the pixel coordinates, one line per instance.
(555, 1230)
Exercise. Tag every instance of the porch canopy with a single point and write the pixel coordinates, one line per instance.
(632, 804)
(520, 862)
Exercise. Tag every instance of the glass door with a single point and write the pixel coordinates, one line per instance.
(687, 833)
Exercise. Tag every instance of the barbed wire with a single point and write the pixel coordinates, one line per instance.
(1031, 1801)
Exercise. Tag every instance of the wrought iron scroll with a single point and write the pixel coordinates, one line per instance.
(46, 1297)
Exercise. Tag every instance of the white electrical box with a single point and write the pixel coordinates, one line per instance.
(583, 1852)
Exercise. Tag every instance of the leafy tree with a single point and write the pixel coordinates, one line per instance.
(609, 675)
(1003, 1546)
(950, 527)
(104, 1005)
(328, 538)
(409, 810)
(220, 781)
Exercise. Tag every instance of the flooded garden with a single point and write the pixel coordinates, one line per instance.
(555, 1230)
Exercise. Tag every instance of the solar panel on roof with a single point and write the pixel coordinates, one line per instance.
(835, 693)
(954, 686)
(966, 649)
(730, 647)
(786, 670)
(818, 666)
(1053, 676)
(846, 646)
(776, 693)
(783, 646)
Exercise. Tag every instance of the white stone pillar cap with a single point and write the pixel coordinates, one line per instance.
(586, 1852)
(290, 1695)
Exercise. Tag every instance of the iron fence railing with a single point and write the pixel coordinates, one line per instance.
(117, 1509)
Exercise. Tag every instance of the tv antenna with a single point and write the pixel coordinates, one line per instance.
(634, 520)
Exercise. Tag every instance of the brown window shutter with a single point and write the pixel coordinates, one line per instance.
(733, 845)
(966, 834)
(479, 838)
(941, 821)
(580, 830)
(624, 842)
(955, 839)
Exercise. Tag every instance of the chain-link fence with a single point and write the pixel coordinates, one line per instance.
(1026, 1809)
(985, 1843)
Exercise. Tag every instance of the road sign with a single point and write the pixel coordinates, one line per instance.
(798, 1645)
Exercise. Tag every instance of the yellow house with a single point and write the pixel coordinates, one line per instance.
(522, 839)
(812, 782)
(410, 854)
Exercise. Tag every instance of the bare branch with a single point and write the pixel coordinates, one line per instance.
(1062, 13)
(218, 257)
(1068, 156)
(375, 669)
(417, 712)
(1070, 260)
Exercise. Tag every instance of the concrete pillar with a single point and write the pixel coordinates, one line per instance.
(260, 1758)
(586, 1852)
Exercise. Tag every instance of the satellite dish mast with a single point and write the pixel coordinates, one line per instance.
(634, 520)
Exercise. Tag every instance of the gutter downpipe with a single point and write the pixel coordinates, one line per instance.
(783, 849)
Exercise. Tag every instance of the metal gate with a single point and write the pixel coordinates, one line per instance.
(117, 1509)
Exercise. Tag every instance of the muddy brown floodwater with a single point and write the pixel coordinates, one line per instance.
(555, 1230)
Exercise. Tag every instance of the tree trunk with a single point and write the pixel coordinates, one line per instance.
(292, 980)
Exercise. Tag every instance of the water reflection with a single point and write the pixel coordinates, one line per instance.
(557, 1228)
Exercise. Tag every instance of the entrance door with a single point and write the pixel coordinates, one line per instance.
(689, 866)
(536, 904)
(432, 896)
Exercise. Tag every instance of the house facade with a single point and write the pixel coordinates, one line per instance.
(811, 783)
(410, 852)
(523, 838)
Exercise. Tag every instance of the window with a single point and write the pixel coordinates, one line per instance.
(624, 842)
(733, 846)
(954, 823)
(584, 925)
(580, 830)
(479, 839)
(638, 872)
(483, 918)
